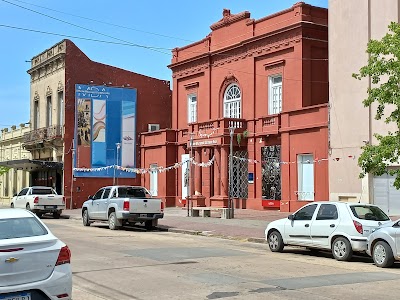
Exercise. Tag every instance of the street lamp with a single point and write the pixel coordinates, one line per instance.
(230, 200)
(118, 145)
(191, 178)
(72, 177)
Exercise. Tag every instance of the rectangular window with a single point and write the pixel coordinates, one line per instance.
(153, 180)
(305, 176)
(49, 120)
(192, 108)
(60, 108)
(275, 95)
(36, 115)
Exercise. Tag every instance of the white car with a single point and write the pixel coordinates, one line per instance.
(384, 244)
(34, 264)
(337, 226)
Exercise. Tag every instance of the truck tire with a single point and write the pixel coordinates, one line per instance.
(56, 215)
(28, 207)
(112, 221)
(39, 214)
(85, 218)
(12, 205)
(151, 224)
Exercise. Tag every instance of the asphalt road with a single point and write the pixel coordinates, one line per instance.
(136, 264)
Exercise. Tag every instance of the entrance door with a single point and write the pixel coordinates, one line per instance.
(185, 175)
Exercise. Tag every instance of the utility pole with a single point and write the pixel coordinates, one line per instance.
(191, 178)
(118, 147)
(230, 200)
(72, 175)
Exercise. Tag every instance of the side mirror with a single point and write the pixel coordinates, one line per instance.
(291, 217)
(90, 197)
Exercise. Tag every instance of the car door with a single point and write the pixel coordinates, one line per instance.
(102, 207)
(298, 229)
(325, 223)
(94, 205)
(21, 198)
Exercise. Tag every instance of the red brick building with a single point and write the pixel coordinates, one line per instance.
(54, 74)
(268, 80)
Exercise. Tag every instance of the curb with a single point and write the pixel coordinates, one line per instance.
(226, 237)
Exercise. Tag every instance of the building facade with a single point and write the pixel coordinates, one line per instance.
(262, 86)
(55, 73)
(351, 124)
(11, 151)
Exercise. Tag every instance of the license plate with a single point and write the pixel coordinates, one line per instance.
(49, 207)
(143, 215)
(21, 296)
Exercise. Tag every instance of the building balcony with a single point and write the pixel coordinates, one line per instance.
(268, 125)
(42, 135)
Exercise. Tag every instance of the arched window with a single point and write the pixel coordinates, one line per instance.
(232, 101)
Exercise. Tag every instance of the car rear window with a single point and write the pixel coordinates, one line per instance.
(42, 191)
(129, 192)
(367, 212)
(21, 227)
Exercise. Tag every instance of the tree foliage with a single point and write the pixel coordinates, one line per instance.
(384, 70)
(3, 170)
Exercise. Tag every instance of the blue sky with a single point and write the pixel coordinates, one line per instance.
(172, 24)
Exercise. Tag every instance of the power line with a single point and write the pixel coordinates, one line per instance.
(107, 23)
(86, 39)
(78, 26)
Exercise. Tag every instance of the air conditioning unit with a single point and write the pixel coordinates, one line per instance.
(154, 127)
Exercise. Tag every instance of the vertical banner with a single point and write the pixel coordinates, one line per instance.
(105, 118)
(84, 108)
(99, 146)
(128, 134)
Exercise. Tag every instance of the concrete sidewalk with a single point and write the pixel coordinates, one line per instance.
(248, 225)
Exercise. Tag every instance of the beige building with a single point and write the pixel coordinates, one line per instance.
(351, 25)
(11, 151)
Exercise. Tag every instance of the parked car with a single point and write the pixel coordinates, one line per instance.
(338, 226)
(120, 205)
(40, 200)
(34, 264)
(384, 244)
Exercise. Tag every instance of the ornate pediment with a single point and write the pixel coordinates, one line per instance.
(228, 18)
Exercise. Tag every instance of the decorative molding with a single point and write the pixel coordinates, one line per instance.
(275, 64)
(60, 87)
(228, 18)
(191, 85)
(49, 92)
(190, 70)
(36, 97)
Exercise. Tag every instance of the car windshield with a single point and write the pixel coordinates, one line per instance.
(42, 191)
(21, 227)
(131, 192)
(367, 212)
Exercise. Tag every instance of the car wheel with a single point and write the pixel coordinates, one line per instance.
(12, 205)
(112, 221)
(28, 206)
(382, 255)
(85, 218)
(56, 215)
(275, 241)
(341, 249)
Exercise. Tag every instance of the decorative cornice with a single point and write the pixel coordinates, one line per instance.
(60, 87)
(228, 18)
(191, 85)
(190, 70)
(275, 64)
(49, 92)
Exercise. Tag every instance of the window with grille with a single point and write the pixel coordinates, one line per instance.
(232, 102)
(192, 108)
(275, 95)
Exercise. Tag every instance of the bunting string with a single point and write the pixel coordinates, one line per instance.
(316, 160)
(159, 169)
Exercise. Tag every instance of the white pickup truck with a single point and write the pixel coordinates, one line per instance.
(122, 205)
(40, 200)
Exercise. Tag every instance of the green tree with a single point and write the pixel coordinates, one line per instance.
(384, 70)
(3, 170)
